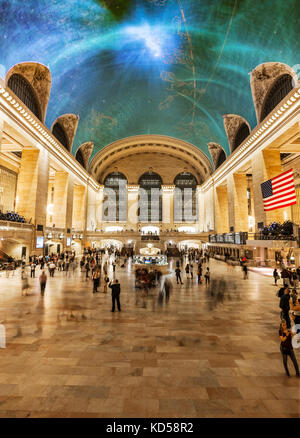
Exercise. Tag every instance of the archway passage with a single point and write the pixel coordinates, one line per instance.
(221, 159)
(282, 86)
(60, 134)
(79, 158)
(21, 87)
(150, 202)
(242, 133)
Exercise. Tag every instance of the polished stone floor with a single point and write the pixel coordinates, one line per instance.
(211, 352)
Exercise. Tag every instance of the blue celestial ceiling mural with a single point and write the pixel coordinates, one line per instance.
(169, 67)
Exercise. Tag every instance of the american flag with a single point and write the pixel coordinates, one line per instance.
(279, 192)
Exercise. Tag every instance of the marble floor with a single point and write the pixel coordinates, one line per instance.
(211, 352)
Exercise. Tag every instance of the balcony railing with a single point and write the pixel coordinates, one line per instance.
(15, 226)
(261, 236)
(150, 237)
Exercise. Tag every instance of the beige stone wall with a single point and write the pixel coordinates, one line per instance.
(8, 186)
(295, 209)
(14, 249)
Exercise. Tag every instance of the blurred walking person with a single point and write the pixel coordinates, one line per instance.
(25, 283)
(43, 281)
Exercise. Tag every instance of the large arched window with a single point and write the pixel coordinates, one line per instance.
(241, 134)
(22, 88)
(278, 91)
(185, 201)
(150, 199)
(115, 198)
(79, 157)
(60, 134)
(221, 159)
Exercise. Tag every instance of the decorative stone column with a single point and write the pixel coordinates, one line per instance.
(99, 207)
(168, 205)
(132, 206)
(265, 165)
(32, 186)
(238, 202)
(297, 257)
(78, 207)
(63, 202)
(32, 190)
(1, 132)
(60, 199)
(200, 209)
(221, 209)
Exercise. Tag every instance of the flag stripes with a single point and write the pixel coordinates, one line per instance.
(279, 192)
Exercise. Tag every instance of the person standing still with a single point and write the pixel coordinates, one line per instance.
(199, 273)
(191, 270)
(96, 280)
(286, 348)
(43, 281)
(32, 267)
(284, 304)
(87, 270)
(276, 276)
(207, 276)
(187, 270)
(245, 270)
(115, 294)
(105, 283)
(52, 269)
(178, 275)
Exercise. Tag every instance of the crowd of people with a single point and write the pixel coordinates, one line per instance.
(289, 304)
(94, 265)
(290, 277)
(11, 216)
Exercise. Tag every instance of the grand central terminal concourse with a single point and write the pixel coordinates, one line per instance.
(149, 209)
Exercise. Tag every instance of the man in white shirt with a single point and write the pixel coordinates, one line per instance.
(52, 269)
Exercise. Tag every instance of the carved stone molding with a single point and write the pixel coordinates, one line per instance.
(86, 150)
(69, 123)
(262, 79)
(296, 174)
(39, 77)
(232, 122)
